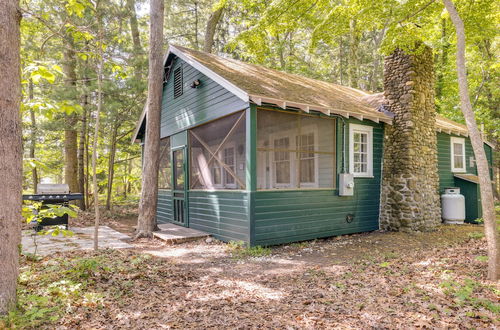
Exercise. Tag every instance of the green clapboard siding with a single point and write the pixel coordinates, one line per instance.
(470, 190)
(196, 105)
(295, 215)
(223, 214)
(164, 207)
(446, 178)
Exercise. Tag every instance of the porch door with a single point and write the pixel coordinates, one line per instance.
(179, 187)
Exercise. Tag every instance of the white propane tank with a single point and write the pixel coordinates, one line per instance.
(453, 206)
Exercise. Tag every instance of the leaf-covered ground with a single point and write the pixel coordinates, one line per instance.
(374, 280)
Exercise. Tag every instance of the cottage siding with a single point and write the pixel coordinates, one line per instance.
(446, 178)
(470, 190)
(224, 214)
(164, 208)
(196, 105)
(295, 215)
(220, 213)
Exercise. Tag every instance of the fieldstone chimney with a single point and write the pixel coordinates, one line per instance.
(410, 184)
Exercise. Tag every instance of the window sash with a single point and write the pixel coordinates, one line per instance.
(361, 150)
(457, 146)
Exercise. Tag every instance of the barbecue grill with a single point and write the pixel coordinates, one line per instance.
(52, 194)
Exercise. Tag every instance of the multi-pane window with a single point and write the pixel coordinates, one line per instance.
(360, 156)
(282, 164)
(457, 154)
(165, 167)
(229, 158)
(305, 143)
(218, 154)
(295, 151)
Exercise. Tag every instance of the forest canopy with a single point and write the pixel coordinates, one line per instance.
(337, 41)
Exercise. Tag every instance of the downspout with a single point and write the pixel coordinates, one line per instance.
(343, 142)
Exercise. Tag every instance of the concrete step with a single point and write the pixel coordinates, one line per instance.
(174, 234)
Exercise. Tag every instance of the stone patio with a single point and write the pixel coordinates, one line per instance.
(82, 239)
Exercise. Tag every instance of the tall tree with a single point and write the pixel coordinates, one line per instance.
(70, 133)
(146, 222)
(212, 23)
(10, 151)
(34, 172)
(100, 65)
(490, 224)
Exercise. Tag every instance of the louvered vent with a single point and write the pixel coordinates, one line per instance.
(178, 82)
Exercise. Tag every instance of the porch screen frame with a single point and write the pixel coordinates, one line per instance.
(268, 154)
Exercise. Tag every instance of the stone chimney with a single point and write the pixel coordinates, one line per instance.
(410, 197)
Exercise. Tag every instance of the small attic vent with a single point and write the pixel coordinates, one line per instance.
(178, 82)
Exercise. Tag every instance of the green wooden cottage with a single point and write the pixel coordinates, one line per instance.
(265, 157)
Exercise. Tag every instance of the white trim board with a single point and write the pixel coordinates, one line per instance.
(209, 73)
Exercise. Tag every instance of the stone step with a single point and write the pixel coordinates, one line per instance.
(174, 234)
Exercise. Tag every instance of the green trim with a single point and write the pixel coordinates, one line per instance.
(251, 168)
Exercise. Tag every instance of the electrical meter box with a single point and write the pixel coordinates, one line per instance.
(346, 184)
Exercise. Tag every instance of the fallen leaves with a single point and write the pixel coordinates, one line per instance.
(421, 284)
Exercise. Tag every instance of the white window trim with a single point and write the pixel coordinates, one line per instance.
(224, 172)
(294, 180)
(272, 138)
(460, 141)
(367, 130)
(309, 129)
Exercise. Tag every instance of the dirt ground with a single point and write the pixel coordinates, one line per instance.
(371, 280)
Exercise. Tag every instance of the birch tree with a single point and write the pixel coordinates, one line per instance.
(488, 207)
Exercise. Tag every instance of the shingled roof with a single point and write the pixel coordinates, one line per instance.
(261, 85)
(264, 85)
(378, 102)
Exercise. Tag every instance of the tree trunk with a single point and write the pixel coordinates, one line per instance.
(100, 65)
(81, 151)
(34, 171)
(212, 23)
(146, 222)
(354, 40)
(134, 27)
(136, 39)
(70, 135)
(490, 224)
(10, 151)
(111, 165)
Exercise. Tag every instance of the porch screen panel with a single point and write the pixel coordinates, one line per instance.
(218, 154)
(295, 151)
(165, 165)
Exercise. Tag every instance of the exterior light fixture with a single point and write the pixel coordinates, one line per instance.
(195, 83)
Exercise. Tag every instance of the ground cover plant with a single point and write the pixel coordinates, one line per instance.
(358, 281)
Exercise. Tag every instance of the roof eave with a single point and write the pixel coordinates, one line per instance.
(260, 99)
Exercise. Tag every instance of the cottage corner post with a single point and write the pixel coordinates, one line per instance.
(410, 196)
(251, 168)
(10, 151)
(146, 222)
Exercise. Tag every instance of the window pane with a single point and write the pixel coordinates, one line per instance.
(459, 162)
(457, 149)
(360, 152)
(165, 167)
(178, 169)
(218, 156)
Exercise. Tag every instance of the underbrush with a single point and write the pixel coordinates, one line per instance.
(52, 288)
(238, 249)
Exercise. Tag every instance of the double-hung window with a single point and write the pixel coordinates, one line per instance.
(361, 150)
(457, 154)
(282, 166)
(295, 151)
